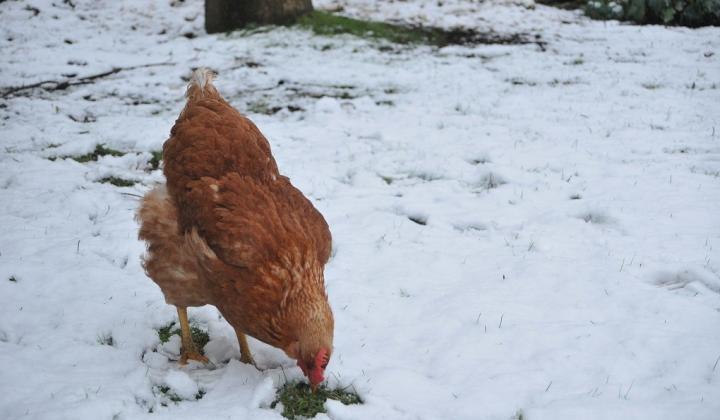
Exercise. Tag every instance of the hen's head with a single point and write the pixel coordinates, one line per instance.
(314, 344)
(314, 367)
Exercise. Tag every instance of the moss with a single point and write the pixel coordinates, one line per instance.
(299, 401)
(118, 182)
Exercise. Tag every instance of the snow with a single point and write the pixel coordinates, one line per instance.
(181, 384)
(565, 264)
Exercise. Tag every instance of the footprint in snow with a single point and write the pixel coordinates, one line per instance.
(689, 280)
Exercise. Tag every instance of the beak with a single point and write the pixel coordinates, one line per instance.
(313, 387)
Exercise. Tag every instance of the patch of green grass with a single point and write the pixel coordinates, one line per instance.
(200, 337)
(521, 82)
(155, 160)
(338, 93)
(106, 339)
(385, 103)
(564, 4)
(491, 181)
(164, 333)
(100, 150)
(323, 23)
(262, 107)
(651, 86)
(118, 182)
(566, 82)
(170, 395)
(299, 401)
(165, 390)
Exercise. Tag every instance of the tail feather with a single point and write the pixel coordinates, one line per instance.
(201, 85)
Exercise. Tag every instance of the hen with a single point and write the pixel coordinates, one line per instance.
(228, 230)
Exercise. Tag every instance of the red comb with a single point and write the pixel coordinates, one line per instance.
(322, 358)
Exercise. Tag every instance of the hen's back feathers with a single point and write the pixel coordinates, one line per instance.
(226, 184)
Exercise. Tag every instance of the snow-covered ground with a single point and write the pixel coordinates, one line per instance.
(563, 261)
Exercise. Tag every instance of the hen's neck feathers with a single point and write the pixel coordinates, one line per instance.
(201, 86)
(304, 312)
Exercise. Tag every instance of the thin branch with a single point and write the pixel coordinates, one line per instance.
(53, 85)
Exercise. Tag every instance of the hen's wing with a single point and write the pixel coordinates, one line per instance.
(269, 243)
(211, 139)
(247, 222)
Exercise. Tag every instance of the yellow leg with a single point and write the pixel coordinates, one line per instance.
(188, 351)
(245, 355)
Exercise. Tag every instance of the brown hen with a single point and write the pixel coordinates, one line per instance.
(228, 230)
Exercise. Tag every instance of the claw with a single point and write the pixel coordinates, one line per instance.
(192, 355)
(244, 358)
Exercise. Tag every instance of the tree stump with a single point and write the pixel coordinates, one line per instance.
(226, 15)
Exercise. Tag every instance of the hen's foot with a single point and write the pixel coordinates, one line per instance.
(189, 351)
(192, 355)
(247, 358)
(245, 355)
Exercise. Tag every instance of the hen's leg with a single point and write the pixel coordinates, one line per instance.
(188, 351)
(245, 355)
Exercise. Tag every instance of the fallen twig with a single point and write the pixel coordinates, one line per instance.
(53, 85)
